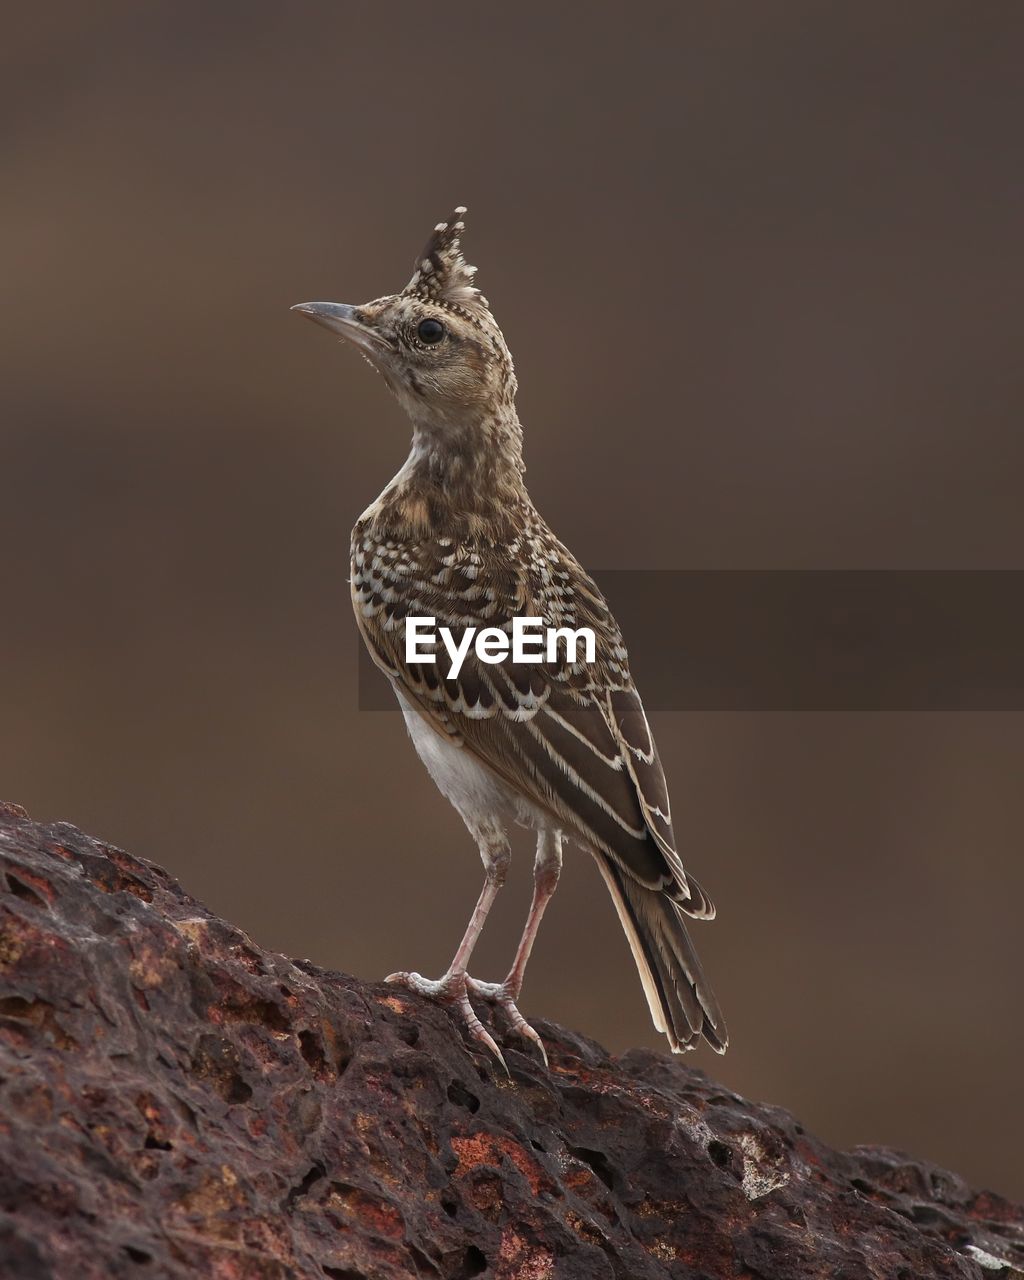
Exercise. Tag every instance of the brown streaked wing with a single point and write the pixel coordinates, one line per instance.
(574, 741)
(563, 770)
(630, 724)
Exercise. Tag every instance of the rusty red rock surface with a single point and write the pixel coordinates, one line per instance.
(178, 1102)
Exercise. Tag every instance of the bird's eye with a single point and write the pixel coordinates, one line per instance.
(430, 330)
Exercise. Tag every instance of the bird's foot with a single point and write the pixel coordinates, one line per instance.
(503, 995)
(452, 991)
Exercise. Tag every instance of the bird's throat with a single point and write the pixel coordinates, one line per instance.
(466, 480)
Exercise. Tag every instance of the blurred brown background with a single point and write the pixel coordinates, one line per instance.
(760, 267)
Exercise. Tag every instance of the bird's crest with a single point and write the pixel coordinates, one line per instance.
(442, 274)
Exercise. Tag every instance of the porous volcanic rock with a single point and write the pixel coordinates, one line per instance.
(178, 1102)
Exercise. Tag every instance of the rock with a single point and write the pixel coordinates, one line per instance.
(178, 1102)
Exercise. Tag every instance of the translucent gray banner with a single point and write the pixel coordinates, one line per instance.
(864, 640)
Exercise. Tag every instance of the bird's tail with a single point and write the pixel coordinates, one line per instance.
(682, 1003)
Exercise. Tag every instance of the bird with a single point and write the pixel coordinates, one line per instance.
(562, 747)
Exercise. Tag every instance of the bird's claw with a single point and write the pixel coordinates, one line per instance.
(504, 997)
(452, 991)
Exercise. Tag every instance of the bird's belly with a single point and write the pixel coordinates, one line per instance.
(481, 798)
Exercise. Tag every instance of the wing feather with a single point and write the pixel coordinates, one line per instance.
(574, 738)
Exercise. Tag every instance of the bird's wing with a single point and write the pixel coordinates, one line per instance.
(574, 738)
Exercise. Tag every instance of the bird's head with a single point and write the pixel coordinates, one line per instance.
(436, 343)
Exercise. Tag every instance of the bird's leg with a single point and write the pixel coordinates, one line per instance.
(546, 869)
(452, 989)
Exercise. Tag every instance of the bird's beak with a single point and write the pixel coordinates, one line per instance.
(341, 318)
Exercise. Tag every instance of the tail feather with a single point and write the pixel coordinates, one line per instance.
(698, 905)
(682, 1003)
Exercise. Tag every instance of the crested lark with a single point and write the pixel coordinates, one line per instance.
(563, 747)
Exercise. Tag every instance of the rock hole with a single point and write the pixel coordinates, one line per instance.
(312, 1050)
(105, 923)
(450, 1205)
(410, 1033)
(153, 1143)
(17, 1007)
(137, 1255)
(336, 1046)
(216, 1060)
(38, 1013)
(263, 1013)
(461, 1096)
(342, 1273)
(720, 1154)
(598, 1161)
(316, 1172)
(238, 1091)
(271, 1015)
(24, 891)
(473, 1264)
